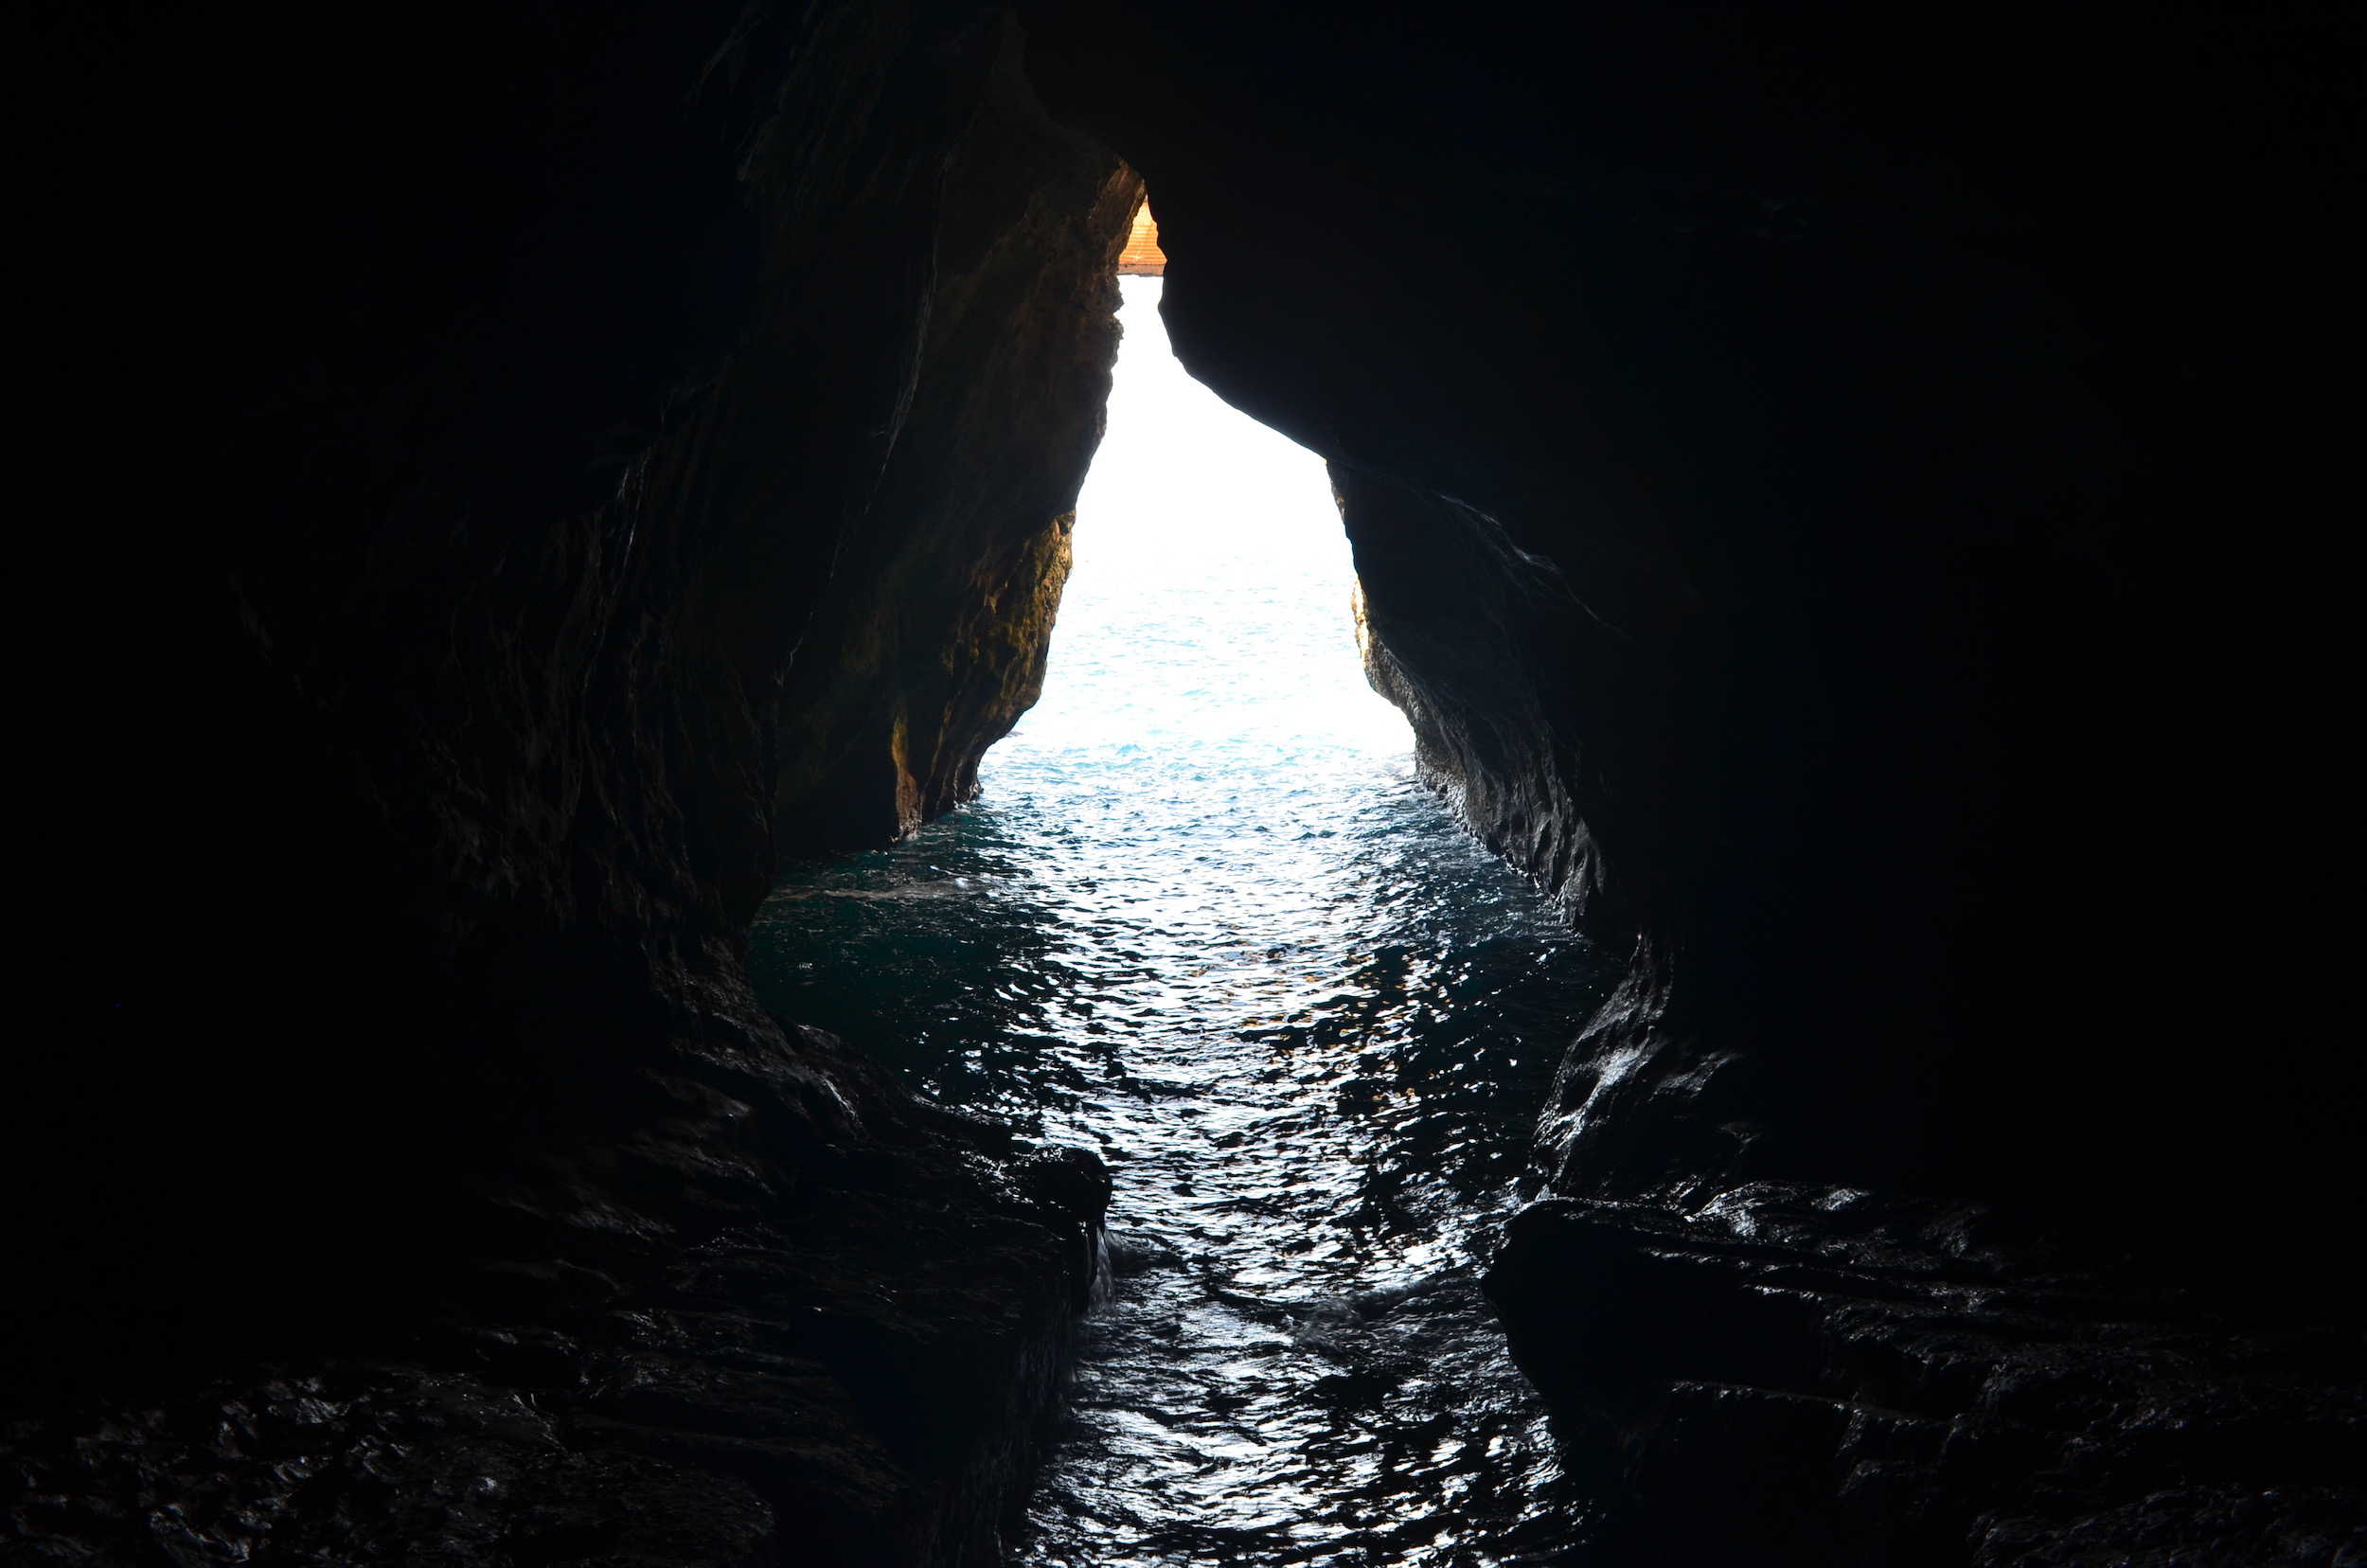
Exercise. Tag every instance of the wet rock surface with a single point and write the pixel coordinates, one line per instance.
(851, 1360)
(1791, 1374)
(935, 638)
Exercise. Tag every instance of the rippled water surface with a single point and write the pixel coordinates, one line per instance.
(1204, 920)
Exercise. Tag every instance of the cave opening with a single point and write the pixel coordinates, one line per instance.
(1205, 921)
(1207, 632)
(1841, 514)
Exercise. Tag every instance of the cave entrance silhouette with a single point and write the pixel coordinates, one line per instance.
(1205, 921)
(1210, 607)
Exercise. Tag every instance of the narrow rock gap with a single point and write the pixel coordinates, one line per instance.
(1205, 919)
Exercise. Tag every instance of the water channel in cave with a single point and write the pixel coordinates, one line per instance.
(1204, 919)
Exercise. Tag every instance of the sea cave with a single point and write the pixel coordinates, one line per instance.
(1581, 825)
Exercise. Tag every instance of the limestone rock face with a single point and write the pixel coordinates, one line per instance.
(932, 642)
(428, 1142)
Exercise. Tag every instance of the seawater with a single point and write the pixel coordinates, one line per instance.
(1204, 919)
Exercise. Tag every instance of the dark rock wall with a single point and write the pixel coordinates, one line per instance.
(1790, 464)
(1791, 460)
(469, 412)
(937, 645)
(1794, 1373)
(1841, 498)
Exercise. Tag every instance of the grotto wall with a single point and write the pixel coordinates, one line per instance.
(1862, 554)
(472, 419)
(937, 636)
(1784, 442)
(1790, 458)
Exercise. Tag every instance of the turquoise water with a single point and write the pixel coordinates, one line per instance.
(1204, 919)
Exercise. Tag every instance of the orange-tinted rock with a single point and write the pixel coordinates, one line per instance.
(1142, 256)
(932, 640)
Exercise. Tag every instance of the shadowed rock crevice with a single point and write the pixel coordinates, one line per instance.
(933, 642)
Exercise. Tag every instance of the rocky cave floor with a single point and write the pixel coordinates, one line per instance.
(848, 1363)
(864, 1385)
(1953, 1395)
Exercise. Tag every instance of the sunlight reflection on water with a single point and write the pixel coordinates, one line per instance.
(1204, 919)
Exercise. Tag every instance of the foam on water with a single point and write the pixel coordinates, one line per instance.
(1204, 920)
